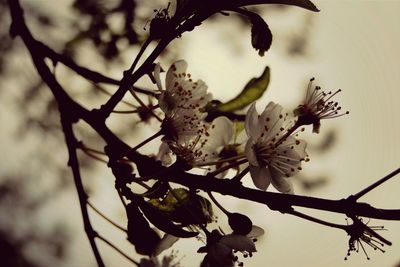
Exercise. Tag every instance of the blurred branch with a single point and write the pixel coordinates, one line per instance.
(84, 72)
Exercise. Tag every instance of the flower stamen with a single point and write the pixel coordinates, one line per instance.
(318, 106)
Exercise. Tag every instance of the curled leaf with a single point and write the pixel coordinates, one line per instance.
(184, 207)
(253, 90)
(307, 4)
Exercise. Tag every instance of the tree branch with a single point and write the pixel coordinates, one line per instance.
(82, 71)
(129, 79)
(71, 112)
(278, 201)
(74, 164)
(116, 148)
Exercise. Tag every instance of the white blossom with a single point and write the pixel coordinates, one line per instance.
(202, 149)
(318, 106)
(220, 249)
(273, 156)
(183, 102)
(181, 91)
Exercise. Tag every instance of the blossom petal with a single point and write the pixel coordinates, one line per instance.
(281, 183)
(252, 123)
(164, 154)
(165, 103)
(271, 120)
(250, 153)
(300, 149)
(178, 67)
(166, 242)
(271, 110)
(157, 71)
(220, 133)
(238, 242)
(261, 176)
(256, 231)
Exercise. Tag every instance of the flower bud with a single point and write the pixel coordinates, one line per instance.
(240, 224)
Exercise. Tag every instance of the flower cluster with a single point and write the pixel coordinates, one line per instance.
(266, 145)
(272, 151)
(183, 102)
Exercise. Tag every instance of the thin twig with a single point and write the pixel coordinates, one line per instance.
(144, 105)
(104, 91)
(106, 218)
(227, 167)
(139, 55)
(128, 112)
(316, 220)
(218, 204)
(217, 162)
(74, 164)
(89, 154)
(118, 250)
(376, 184)
(129, 79)
(154, 136)
(84, 147)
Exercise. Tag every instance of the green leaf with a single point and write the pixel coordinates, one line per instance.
(184, 207)
(199, 208)
(253, 90)
(161, 221)
(307, 4)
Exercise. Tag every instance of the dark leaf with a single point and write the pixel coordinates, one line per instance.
(158, 190)
(199, 207)
(161, 221)
(307, 4)
(261, 36)
(253, 90)
(185, 207)
(140, 233)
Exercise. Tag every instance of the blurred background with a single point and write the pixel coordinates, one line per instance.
(352, 45)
